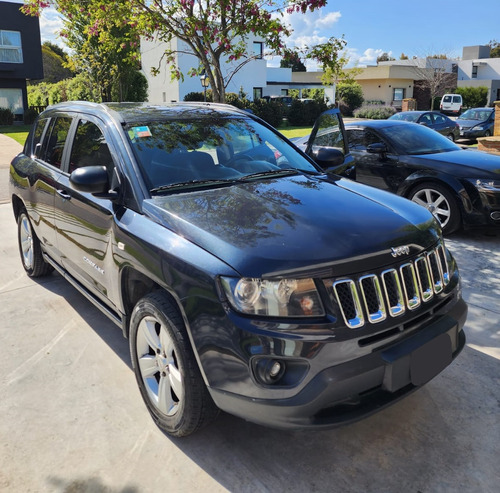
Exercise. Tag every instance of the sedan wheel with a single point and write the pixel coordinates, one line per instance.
(165, 367)
(440, 202)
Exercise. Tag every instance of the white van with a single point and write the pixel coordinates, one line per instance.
(451, 104)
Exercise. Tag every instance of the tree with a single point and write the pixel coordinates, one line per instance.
(55, 62)
(385, 58)
(403, 57)
(349, 96)
(214, 31)
(291, 59)
(494, 49)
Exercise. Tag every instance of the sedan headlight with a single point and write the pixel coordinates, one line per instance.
(280, 298)
(487, 185)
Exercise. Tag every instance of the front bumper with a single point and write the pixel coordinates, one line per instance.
(357, 388)
(471, 134)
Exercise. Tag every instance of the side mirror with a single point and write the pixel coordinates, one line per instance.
(92, 179)
(377, 148)
(328, 157)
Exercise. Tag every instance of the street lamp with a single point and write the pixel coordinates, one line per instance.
(205, 82)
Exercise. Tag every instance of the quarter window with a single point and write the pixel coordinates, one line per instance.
(10, 47)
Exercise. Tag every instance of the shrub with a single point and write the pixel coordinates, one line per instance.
(6, 116)
(272, 112)
(29, 116)
(373, 112)
(236, 100)
(303, 113)
(350, 97)
(474, 97)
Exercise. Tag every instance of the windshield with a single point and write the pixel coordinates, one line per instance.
(406, 116)
(210, 151)
(475, 114)
(416, 139)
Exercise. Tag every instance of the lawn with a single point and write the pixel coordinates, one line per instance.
(291, 132)
(18, 132)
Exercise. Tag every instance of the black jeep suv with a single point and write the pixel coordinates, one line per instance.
(245, 277)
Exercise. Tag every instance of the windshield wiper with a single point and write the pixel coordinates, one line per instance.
(192, 184)
(271, 172)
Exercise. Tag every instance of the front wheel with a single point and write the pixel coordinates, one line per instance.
(30, 249)
(166, 369)
(440, 202)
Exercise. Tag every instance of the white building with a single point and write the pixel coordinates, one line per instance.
(476, 69)
(255, 78)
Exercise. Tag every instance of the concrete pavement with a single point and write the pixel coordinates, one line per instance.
(72, 420)
(8, 149)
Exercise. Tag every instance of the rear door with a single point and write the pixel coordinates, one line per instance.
(85, 222)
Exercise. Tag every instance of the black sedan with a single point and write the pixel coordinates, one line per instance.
(432, 119)
(461, 187)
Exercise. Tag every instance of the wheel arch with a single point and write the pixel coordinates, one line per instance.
(17, 205)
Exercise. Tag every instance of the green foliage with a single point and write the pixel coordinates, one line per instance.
(131, 86)
(54, 69)
(494, 48)
(374, 112)
(385, 58)
(30, 116)
(6, 116)
(236, 100)
(349, 97)
(474, 97)
(291, 59)
(305, 113)
(198, 96)
(272, 112)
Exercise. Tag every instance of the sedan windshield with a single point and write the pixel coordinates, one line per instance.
(182, 154)
(414, 139)
(406, 116)
(475, 114)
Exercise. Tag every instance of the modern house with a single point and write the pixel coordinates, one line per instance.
(20, 57)
(477, 69)
(255, 78)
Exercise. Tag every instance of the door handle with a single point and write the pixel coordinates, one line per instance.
(63, 194)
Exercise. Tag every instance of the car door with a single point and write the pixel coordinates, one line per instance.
(329, 135)
(48, 147)
(85, 222)
(376, 164)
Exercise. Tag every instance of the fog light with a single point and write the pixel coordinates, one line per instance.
(269, 371)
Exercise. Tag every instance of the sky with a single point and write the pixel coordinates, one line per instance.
(373, 27)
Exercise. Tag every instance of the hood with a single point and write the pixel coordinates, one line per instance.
(465, 163)
(469, 123)
(295, 224)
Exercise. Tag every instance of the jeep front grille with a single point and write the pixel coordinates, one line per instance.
(374, 297)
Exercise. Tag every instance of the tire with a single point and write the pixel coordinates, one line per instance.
(30, 249)
(440, 201)
(451, 137)
(166, 369)
(487, 133)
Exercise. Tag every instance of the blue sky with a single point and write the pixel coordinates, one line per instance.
(373, 27)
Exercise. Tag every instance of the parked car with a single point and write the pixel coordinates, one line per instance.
(245, 278)
(451, 104)
(431, 119)
(460, 187)
(476, 122)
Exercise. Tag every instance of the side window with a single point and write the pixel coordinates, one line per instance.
(356, 140)
(55, 140)
(89, 147)
(329, 133)
(37, 137)
(439, 119)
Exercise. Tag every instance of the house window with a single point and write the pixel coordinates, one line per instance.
(474, 71)
(284, 92)
(258, 49)
(398, 94)
(257, 93)
(10, 47)
(12, 99)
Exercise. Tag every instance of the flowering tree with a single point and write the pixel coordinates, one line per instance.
(214, 31)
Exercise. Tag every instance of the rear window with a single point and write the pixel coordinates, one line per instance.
(457, 99)
(447, 99)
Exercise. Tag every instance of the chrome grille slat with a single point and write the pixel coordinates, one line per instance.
(373, 297)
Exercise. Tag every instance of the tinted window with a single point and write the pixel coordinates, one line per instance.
(329, 132)
(440, 119)
(359, 139)
(37, 136)
(54, 141)
(89, 147)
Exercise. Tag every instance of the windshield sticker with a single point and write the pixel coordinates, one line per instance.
(141, 132)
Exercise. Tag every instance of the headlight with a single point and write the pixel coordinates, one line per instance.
(479, 127)
(487, 185)
(280, 298)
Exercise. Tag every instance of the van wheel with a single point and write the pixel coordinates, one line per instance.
(166, 369)
(440, 202)
(30, 249)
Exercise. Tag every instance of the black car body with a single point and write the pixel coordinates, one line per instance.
(476, 122)
(461, 187)
(245, 278)
(432, 119)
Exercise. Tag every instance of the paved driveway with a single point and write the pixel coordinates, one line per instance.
(72, 420)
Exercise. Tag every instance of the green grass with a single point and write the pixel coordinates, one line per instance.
(291, 132)
(17, 132)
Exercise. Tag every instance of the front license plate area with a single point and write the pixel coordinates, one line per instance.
(430, 359)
